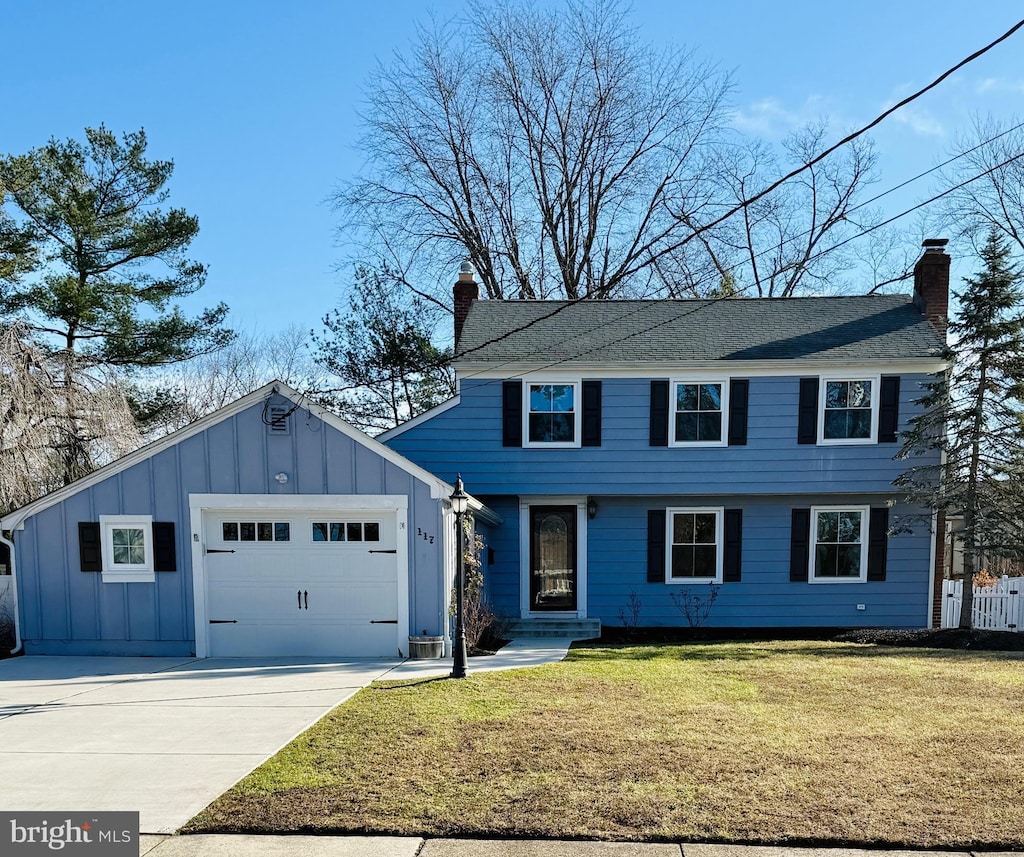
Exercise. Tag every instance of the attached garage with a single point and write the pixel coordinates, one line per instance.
(312, 576)
(269, 528)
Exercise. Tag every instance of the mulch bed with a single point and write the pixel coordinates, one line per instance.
(939, 638)
(929, 638)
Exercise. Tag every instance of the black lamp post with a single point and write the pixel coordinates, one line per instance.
(460, 502)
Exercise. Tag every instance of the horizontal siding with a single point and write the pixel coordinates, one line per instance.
(616, 551)
(765, 597)
(466, 439)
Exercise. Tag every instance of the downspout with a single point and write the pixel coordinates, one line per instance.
(14, 591)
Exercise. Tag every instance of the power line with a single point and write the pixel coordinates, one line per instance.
(702, 305)
(774, 186)
(792, 174)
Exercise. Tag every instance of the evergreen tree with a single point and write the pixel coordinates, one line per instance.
(379, 348)
(111, 262)
(972, 415)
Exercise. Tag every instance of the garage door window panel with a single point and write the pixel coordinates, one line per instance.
(346, 531)
(255, 531)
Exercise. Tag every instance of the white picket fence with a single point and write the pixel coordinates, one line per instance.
(998, 607)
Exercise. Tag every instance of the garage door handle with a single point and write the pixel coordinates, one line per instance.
(223, 621)
(390, 551)
(215, 550)
(383, 621)
(305, 594)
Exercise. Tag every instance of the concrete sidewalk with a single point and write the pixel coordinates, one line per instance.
(516, 655)
(402, 846)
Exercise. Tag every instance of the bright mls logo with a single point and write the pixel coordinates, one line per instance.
(110, 834)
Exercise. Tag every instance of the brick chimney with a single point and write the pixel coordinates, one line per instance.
(466, 291)
(931, 284)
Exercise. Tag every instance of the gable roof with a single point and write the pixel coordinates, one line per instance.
(866, 327)
(438, 487)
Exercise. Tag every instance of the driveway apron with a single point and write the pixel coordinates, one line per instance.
(164, 736)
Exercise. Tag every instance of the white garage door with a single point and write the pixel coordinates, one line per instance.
(301, 583)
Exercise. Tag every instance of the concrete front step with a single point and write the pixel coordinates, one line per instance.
(573, 629)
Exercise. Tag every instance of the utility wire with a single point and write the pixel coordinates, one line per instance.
(701, 304)
(772, 187)
(775, 185)
(704, 304)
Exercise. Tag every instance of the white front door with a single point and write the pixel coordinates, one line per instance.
(301, 583)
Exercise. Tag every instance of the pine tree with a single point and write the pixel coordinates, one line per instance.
(110, 263)
(972, 415)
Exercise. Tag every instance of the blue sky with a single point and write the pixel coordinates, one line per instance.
(257, 103)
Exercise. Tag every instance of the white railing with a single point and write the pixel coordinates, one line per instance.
(998, 607)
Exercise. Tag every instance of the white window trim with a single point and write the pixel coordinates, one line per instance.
(672, 398)
(577, 402)
(865, 518)
(876, 383)
(719, 512)
(137, 573)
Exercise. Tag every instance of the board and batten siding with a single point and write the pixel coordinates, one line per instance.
(467, 439)
(67, 611)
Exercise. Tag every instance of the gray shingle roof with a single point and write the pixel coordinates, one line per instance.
(869, 327)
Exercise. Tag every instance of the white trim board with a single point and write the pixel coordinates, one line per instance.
(519, 369)
(419, 419)
(438, 488)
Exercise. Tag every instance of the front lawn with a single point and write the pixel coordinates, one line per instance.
(754, 742)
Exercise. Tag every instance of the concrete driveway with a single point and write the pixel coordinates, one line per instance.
(163, 736)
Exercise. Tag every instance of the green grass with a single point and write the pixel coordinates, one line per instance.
(754, 742)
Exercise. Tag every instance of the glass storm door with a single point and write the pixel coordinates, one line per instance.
(552, 558)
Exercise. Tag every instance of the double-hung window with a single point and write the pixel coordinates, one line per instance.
(839, 538)
(552, 413)
(698, 412)
(849, 410)
(694, 546)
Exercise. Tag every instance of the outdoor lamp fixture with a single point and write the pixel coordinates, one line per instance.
(460, 502)
(591, 508)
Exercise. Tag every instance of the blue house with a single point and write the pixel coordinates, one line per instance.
(626, 460)
(270, 527)
(641, 453)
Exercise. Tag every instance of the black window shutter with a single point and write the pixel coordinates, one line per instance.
(889, 409)
(739, 389)
(878, 543)
(591, 413)
(807, 414)
(512, 413)
(659, 413)
(800, 545)
(733, 545)
(656, 546)
(164, 547)
(89, 553)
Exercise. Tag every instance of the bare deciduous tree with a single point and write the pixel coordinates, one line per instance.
(182, 394)
(792, 240)
(563, 156)
(996, 199)
(41, 418)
